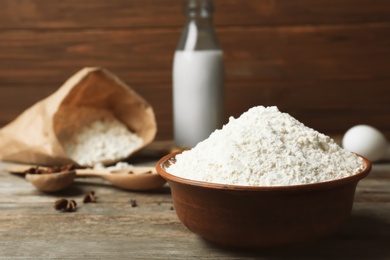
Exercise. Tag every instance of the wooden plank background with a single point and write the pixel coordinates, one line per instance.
(326, 62)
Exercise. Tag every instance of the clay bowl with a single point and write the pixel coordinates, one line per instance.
(261, 217)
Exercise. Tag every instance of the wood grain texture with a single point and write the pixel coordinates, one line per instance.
(257, 54)
(46, 14)
(112, 229)
(325, 62)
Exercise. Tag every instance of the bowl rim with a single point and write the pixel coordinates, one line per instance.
(300, 187)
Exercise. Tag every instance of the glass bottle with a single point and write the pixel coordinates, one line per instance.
(198, 77)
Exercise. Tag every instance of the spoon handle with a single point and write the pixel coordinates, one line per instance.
(91, 173)
(102, 173)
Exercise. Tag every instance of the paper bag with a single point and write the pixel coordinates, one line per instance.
(33, 137)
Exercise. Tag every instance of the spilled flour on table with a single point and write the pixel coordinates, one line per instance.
(265, 147)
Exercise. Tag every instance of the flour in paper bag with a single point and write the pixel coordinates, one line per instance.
(104, 140)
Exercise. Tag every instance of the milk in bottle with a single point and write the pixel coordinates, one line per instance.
(198, 78)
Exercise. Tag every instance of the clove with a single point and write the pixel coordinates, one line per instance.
(89, 197)
(133, 203)
(60, 204)
(65, 205)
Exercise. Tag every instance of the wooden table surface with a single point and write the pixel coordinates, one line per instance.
(111, 228)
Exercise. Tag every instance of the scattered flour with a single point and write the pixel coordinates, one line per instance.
(264, 147)
(103, 141)
(117, 166)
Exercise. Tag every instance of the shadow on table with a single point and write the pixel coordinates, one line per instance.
(362, 237)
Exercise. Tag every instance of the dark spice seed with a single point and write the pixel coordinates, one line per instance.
(65, 205)
(60, 204)
(133, 203)
(90, 197)
(71, 206)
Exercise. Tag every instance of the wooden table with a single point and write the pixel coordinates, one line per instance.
(112, 228)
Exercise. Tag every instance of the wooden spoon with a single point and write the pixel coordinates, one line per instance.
(139, 178)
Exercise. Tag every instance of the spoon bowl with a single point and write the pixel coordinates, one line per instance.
(51, 182)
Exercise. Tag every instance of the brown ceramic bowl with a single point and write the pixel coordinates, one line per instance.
(261, 217)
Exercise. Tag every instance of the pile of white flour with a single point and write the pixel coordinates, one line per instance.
(264, 147)
(103, 141)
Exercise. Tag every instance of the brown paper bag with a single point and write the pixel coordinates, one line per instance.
(33, 137)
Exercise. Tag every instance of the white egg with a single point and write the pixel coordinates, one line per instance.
(366, 141)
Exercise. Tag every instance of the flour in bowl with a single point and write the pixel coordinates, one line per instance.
(265, 147)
